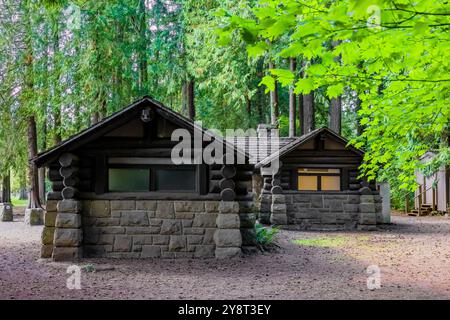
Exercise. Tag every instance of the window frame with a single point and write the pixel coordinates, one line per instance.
(319, 178)
(152, 177)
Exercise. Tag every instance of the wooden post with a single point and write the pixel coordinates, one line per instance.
(407, 203)
(433, 206)
(420, 201)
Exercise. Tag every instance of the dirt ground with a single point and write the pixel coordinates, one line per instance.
(413, 256)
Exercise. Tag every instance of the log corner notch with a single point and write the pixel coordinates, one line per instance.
(227, 184)
(68, 233)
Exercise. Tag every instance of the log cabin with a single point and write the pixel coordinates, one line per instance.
(317, 184)
(119, 192)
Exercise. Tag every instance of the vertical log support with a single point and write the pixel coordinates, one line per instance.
(265, 201)
(278, 214)
(433, 206)
(68, 233)
(228, 238)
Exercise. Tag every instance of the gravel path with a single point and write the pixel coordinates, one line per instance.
(413, 256)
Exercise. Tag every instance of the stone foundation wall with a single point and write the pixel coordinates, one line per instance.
(157, 229)
(332, 211)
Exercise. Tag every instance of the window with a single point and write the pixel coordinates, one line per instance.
(125, 179)
(319, 179)
(129, 178)
(175, 179)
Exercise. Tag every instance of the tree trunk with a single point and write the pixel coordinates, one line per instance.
(6, 191)
(307, 120)
(191, 99)
(335, 111)
(308, 112)
(274, 107)
(56, 88)
(33, 201)
(248, 104)
(143, 64)
(301, 116)
(23, 186)
(359, 127)
(335, 114)
(292, 104)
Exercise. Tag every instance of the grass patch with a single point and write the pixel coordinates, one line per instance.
(19, 203)
(329, 242)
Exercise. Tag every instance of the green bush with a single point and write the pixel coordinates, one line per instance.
(265, 235)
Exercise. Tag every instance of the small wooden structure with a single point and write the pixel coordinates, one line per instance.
(433, 193)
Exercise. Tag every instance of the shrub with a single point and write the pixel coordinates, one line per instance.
(265, 235)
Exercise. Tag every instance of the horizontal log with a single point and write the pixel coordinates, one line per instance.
(215, 175)
(276, 182)
(83, 173)
(69, 160)
(71, 181)
(214, 186)
(276, 190)
(68, 172)
(243, 175)
(354, 186)
(69, 193)
(228, 172)
(82, 185)
(226, 184)
(54, 175)
(285, 186)
(228, 195)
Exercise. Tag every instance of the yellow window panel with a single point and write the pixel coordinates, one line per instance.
(331, 183)
(307, 183)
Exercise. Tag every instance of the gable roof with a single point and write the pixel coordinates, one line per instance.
(253, 144)
(117, 119)
(297, 142)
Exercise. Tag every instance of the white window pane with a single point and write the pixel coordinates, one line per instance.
(318, 170)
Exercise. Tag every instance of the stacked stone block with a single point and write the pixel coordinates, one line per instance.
(149, 228)
(367, 210)
(278, 210)
(68, 234)
(6, 212)
(323, 211)
(49, 229)
(228, 238)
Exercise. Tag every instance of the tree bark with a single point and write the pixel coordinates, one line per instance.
(56, 88)
(307, 120)
(301, 116)
(359, 127)
(335, 114)
(292, 100)
(143, 64)
(335, 111)
(33, 200)
(6, 190)
(274, 107)
(191, 99)
(23, 186)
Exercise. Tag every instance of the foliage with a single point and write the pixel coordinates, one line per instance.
(392, 54)
(265, 235)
